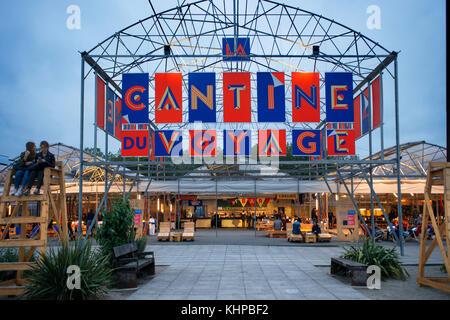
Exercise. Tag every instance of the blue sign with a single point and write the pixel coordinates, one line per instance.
(110, 111)
(236, 142)
(168, 143)
(202, 97)
(271, 97)
(339, 96)
(135, 97)
(242, 49)
(306, 143)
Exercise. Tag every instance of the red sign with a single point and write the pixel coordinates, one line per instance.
(376, 103)
(202, 142)
(341, 142)
(272, 142)
(236, 97)
(305, 97)
(168, 98)
(187, 197)
(135, 143)
(357, 112)
(100, 88)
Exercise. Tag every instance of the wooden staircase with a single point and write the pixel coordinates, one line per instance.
(438, 175)
(14, 210)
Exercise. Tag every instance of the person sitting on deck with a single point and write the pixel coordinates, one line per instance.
(44, 159)
(277, 224)
(22, 166)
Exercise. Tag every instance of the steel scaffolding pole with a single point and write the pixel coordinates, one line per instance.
(397, 141)
(80, 194)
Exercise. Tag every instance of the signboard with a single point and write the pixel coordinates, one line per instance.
(242, 49)
(305, 97)
(272, 142)
(168, 98)
(135, 98)
(168, 143)
(135, 143)
(351, 218)
(306, 142)
(195, 203)
(100, 87)
(236, 142)
(340, 142)
(236, 97)
(202, 142)
(287, 196)
(271, 97)
(187, 197)
(202, 96)
(339, 96)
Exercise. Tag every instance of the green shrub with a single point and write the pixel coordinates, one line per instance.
(141, 244)
(48, 279)
(117, 227)
(370, 254)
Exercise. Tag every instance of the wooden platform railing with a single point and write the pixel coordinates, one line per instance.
(438, 175)
(52, 207)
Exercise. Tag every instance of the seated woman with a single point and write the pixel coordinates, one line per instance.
(44, 159)
(316, 229)
(26, 159)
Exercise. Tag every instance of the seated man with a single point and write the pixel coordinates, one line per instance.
(277, 224)
(296, 227)
(44, 159)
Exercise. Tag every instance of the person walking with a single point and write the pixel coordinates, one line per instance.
(277, 224)
(89, 218)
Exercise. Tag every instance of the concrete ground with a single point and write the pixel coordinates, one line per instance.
(237, 265)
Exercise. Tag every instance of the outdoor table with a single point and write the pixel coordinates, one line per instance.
(310, 237)
(176, 236)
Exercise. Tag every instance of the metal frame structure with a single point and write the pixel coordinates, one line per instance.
(187, 38)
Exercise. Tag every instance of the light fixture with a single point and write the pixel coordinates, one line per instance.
(395, 195)
(336, 197)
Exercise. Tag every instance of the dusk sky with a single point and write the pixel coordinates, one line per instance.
(40, 63)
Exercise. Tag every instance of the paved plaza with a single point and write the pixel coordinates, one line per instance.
(217, 267)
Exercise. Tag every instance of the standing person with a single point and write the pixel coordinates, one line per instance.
(314, 215)
(89, 218)
(330, 220)
(25, 161)
(194, 219)
(152, 226)
(44, 159)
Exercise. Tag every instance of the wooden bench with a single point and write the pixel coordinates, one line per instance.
(295, 237)
(358, 271)
(324, 237)
(276, 234)
(127, 268)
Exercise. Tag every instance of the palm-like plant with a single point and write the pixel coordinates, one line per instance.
(370, 254)
(48, 279)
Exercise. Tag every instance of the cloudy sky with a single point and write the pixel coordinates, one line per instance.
(40, 62)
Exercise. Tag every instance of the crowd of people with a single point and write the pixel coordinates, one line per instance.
(30, 166)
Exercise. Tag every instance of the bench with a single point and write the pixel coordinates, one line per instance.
(358, 271)
(127, 268)
(295, 237)
(324, 237)
(276, 234)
